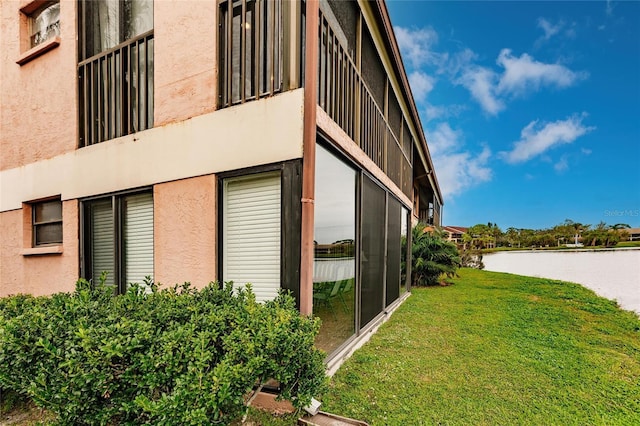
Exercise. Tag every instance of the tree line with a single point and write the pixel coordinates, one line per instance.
(482, 236)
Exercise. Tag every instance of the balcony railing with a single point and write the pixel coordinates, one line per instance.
(344, 96)
(251, 51)
(116, 91)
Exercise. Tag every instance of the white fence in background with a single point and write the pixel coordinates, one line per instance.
(333, 269)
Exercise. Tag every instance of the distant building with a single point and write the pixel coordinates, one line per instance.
(634, 234)
(454, 233)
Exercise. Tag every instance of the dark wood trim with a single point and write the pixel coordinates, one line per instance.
(246, 171)
(387, 28)
(291, 228)
(219, 224)
(290, 225)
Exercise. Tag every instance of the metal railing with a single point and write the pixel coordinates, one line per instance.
(251, 53)
(345, 97)
(116, 91)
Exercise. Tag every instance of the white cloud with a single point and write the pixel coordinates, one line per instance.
(444, 139)
(549, 29)
(482, 83)
(536, 138)
(520, 76)
(435, 112)
(416, 45)
(457, 169)
(571, 32)
(460, 61)
(562, 165)
(421, 84)
(610, 7)
(515, 76)
(586, 151)
(523, 74)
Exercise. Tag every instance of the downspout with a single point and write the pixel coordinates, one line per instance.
(309, 156)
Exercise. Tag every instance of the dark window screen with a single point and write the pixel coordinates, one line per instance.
(372, 69)
(393, 250)
(346, 12)
(373, 250)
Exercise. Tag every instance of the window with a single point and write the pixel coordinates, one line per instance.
(107, 23)
(44, 22)
(118, 239)
(372, 258)
(250, 49)
(251, 233)
(47, 223)
(116, 68)
(394, 249)
(334, 264)
(405, 251)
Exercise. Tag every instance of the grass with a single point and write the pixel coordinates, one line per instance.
(496, 349)
(628, 244)
(493, 349)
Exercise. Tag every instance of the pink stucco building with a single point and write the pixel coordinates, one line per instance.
(272, 142)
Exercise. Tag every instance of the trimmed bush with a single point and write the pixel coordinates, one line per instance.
(175, 356)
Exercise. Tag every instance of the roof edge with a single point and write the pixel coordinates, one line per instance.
(397, 58)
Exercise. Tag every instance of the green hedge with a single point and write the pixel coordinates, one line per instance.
(175, 356)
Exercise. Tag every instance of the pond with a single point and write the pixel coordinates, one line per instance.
(611, 273)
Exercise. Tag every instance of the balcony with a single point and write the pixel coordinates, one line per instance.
(345, 96)
(116, 91)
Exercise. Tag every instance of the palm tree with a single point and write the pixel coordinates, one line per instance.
(432, 256)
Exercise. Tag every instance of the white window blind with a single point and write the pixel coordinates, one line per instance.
(102, 241)
(138, 237)
(251, 233)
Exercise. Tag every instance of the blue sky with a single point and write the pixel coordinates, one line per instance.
(531, 109)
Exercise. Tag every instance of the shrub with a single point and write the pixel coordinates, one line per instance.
(471, 258)
(432, 256)
(175, 356)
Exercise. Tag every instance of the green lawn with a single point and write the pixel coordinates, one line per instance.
(496, 349)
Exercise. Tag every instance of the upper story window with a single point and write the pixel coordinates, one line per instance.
(108, 23)
(39, 29)
(47, 222)
(44, 23)
(250, 50)
(115, 72)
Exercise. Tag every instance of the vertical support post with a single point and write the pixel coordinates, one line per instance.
(309, 156)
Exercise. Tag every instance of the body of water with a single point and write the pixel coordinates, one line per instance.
(611, 273)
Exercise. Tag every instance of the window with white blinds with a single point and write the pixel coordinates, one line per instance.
(251, 233)
(102, 241)
(138, 237)
(119, 239)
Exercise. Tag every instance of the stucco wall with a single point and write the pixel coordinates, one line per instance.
(38, 118)
(37, 274)
(259, 132)
(185, 59)
(185, 231)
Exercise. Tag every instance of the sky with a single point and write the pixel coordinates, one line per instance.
(531, 109)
